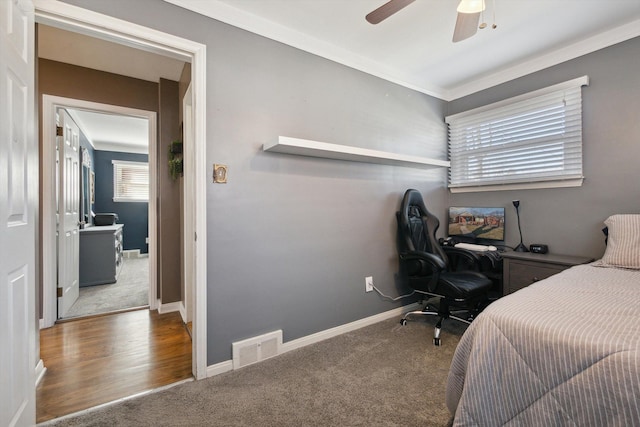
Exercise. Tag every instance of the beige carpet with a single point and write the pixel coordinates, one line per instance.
(130, 290)
(381, 375)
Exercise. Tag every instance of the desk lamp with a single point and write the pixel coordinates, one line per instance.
(521, 247)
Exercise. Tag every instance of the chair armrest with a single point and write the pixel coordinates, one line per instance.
(423, 269)
(437, 265)
(470, 256)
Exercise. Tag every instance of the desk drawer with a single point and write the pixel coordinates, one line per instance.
(522, 274)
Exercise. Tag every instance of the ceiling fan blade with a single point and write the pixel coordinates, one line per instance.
(466, 26)
(386, 10)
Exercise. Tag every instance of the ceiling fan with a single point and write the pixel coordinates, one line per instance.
(469, 12)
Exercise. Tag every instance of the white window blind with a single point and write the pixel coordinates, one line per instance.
(130, 181)
(530, 141)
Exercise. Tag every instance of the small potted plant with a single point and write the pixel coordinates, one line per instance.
(176, 147)
(175, 159)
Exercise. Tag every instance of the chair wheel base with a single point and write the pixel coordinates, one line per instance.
(403, 322)
(436, 342)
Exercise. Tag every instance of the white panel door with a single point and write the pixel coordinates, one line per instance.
(68, 213)
(18, 205)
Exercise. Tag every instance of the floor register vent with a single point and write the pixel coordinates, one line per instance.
(256, 349)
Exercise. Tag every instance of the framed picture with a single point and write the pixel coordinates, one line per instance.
(92, 187)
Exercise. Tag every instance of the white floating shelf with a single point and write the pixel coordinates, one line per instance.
(305, 147)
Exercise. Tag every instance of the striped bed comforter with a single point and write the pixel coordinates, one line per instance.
(563, 351)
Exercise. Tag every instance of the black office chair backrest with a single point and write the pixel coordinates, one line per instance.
(418, 226)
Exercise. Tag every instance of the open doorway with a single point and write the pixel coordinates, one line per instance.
(110, 267)
(101, 260)
(70, 17)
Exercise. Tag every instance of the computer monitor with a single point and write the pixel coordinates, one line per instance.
(476, 225)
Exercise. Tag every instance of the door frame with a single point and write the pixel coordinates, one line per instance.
(93, 24)
(50, 104)
(187, 214)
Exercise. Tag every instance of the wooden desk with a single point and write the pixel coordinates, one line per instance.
(520, 269)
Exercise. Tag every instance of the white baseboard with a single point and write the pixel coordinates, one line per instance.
(219, 368)
(131, 253)
(183, 312)
(169, 307)
(134, 253)
(40, 371)
(339, 330)
(227, 365)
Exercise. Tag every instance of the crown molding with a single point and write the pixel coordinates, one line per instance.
(584, 47)
(223, 12)
(229, 15)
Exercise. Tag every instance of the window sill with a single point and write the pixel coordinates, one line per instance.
(519, 186)
(120, 200)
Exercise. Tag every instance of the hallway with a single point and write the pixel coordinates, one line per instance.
(96, 360)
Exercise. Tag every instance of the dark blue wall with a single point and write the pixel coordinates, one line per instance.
(134, 215)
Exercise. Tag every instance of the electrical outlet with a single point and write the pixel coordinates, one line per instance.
(368, 284)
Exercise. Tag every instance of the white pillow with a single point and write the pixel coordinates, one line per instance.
(623, 245)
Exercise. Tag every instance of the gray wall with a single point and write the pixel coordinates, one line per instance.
(290, 239)
(168, 207)
(569, 220)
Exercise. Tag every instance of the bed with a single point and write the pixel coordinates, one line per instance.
(563, 351)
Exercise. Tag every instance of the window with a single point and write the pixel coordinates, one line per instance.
(530, 141)
(130, 181)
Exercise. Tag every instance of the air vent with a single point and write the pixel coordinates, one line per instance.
(256, 349)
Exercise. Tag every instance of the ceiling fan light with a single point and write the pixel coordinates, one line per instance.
(471, 6)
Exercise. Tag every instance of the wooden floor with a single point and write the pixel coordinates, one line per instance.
(97, 360)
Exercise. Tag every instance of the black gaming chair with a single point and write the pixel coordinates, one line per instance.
(425, 266)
